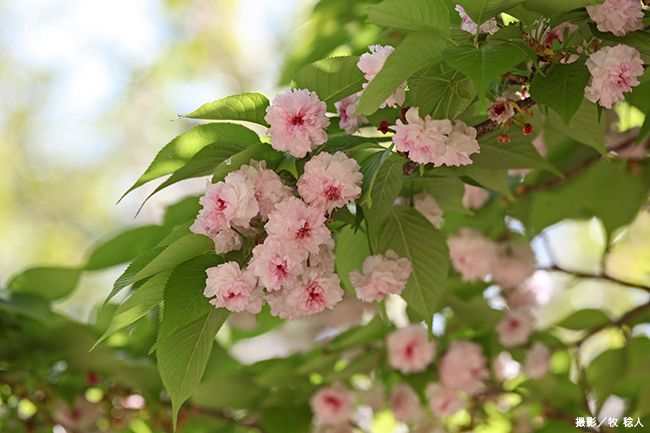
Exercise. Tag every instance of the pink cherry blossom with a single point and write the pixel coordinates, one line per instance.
(538, 360)
(232, 288)
(614, 71)
(490, 26)
(383, 274)
(429, 208)
(409, 349)
(371, 63)
(443, 401)
(298, 120)
(324, 259)
(475, 197)
(502, 110)
(332, 404)
(425, 140)
(617, 16)
(226, 240)
(515, 328)
(406, 404)
(300, 226)
(330, 181)
(313, 293)
(462, 367)
(277, 264)
(472, 254)
(504, 367)
(226, 204)
(269, 189)
(461, 144)
(347, 110)
(514, 264)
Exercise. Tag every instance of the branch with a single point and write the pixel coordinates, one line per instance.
(618, 322)
(602, 276)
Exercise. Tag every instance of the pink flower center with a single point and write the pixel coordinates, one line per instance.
(409, 350)
(513, 324)
(499, 109)
(304, 232)
(332, 192)
(280, 270)
(333, 402)
(232, 294)
(314, 295)
(298, 119)
(221, 205)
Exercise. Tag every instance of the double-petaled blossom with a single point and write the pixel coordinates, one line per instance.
(406, 404)
(443, 401)
(313, 293)
(538, 360)
(297, 120)
(472, 254)
(382, 275)
(371, 63)
(409, 349)
(330, 181)
(429, 208)
(461, 144)
(233, 288)
(333, 404)
(617, 16)
(514, 264)
(346, 108)
(298, 225)
(490, 26)
(614, 71)
(462, 367)
(277, 264)
(515, 328)
(269, 188)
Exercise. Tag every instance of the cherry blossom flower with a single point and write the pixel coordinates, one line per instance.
(502, 110)
(617, 16)
(299, 225)
(330, 181)
(332, 404)
(269, 189)
(409, 349)
(614, 71)
(462, 143)
(276, 263)
(425, 140)
(383, 274)
(226, 204)
(226, 240)
(462, 367)
(475, 197)
(429, 208)
(315, 292)
(298, 120)
(371, 63)
(233, 288)
(504, 367)
(472, 254)
(350, 121)
(538, 360)
(406, 404)
(515, 263)
(490, 26)
(443, 401)
(324, 259)
(515, 328)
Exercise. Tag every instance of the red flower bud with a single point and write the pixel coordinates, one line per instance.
(383, 127)
(527, 129)
(503, 139)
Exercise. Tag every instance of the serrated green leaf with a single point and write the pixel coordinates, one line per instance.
(257, 151)
(415, 15)
(332, 79)
(386, 188)
(250, 107)
(443, 92)
(49, 283)
(482, 10)
(415, 52)
(586, 126)
(584, 319)
(369, 168)
(139, 262)
(351, 250)
(562, 88)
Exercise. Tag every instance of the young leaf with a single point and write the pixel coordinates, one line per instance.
(415, 52)
(332, 79)
(410, 235)
(415, 15)
(482, 10)
(249, 107)
(49, 283)
(562, 89)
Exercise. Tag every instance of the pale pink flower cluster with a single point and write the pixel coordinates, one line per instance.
(435, 141)
(614, 71)
(617, 16)
(515, 328)
(234, 289)
(475, 197)
(502, 110)
(490, 26)
(383, 274)
(514, 264)
(472, 254)
(330, 181)
(371, 63)
(443, 401)
(429, 208)
(538, 360)
(269, 189)
(406, 404)
(409, 349)
(462, 367)
(333, 405)
(350, 121)
(297, 120)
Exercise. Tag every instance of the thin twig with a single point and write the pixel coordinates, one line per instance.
(601, 276)
(618, 322)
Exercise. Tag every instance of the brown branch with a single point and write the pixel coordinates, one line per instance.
(618, 322)
(601, 276)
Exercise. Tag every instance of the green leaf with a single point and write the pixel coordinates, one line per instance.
(370, 168)
(125, 246)
(183, 356)
(584, 320)
(415, 15)
(249, 107)
(257, 151)
(351, 250)
(49, 283)
(410, 235)
(141, 301)
(482, 10)
(443, 92)
(475, 313)
(552, 7)
(181, 149)
(486, 64)
(274, 420)
(415, 52)
(586, 126)
(332, 79)
(562, 89)
(386, 188)
(140, 261)
(447, 191)
(181, 250)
